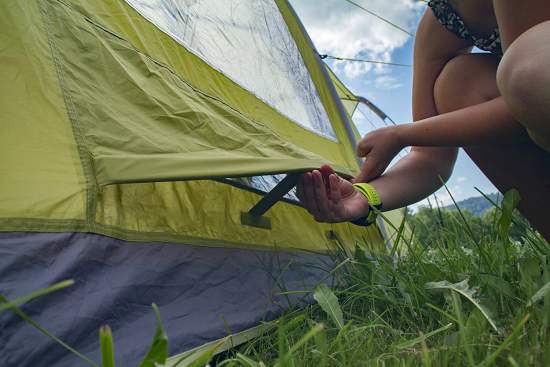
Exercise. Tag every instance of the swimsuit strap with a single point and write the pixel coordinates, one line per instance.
(449, 18)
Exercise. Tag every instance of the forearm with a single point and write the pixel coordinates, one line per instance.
(414, 177)
(419, 174)
(487, 122)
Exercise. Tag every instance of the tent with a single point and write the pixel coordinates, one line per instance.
(148, 151)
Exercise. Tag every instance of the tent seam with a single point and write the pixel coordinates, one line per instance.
(80, 226)
(84, 154)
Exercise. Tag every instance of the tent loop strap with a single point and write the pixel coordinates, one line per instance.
(254, 216)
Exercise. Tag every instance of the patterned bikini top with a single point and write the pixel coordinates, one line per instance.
(449, 18)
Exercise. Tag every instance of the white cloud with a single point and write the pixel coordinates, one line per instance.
(461, 179)
(338, 28)
(387, 82)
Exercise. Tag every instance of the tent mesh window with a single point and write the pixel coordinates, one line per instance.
(249, 42)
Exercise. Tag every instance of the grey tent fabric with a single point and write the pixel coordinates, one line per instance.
(200, 291)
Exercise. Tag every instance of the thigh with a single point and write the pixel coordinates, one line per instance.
(469, 80)
(524, 167)
(515, 17)
(466, 80)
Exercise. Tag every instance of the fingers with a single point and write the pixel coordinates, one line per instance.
(378, 147)
(307, 194)
(321, 199)
(364, 147)
(320, 194)
(368, 170)
(326, 171)
(336, 207)
(335, 194)
(300, 188)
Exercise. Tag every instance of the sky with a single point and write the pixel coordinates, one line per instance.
(341, 29)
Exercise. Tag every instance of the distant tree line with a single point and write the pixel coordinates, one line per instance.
(436, 225)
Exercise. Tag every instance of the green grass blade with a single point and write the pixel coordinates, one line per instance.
(464, 289)
(201, 357)
(106, 345)
(426, 361)
(329, 303)
(411, 343)
(158, 351)
(399, 235)
(462, 329)
(303, 340)
(322, 347)
(247, 362)
(517, 328)
(40, 293)
(509, 203)
(543, 291)
(482, 253)
(44, 331)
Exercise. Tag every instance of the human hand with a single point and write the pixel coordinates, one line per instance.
(378, 147)
(329, 198)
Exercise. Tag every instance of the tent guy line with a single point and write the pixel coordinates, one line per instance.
(325, 56)
(380, 17)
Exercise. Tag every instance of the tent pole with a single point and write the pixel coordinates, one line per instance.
(273, 196)
(341, 111)
(254, 217)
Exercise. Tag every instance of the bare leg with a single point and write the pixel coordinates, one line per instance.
(524, 167)
(523, 76)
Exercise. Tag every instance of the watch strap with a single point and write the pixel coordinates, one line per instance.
(375, 204)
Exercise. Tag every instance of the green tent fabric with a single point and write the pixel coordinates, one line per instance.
(140, 122)
(121, 124)
(124, 108)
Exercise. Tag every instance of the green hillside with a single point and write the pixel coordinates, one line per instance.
(477, 205)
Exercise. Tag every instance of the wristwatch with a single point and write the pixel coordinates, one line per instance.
(375, 204)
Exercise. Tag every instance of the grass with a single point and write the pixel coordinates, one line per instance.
(469, 298)
(460, 291)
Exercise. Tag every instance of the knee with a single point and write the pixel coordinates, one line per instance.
(464, 81)
(523, 82)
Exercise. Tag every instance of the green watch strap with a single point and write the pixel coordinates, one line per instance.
(375, 203)
(369, 192)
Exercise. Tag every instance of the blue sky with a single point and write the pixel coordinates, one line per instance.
(341, 29)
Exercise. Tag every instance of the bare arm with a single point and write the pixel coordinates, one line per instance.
(413, 177)
(487, 122)
(420, 172)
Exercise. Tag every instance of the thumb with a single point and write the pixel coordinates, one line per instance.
(367, 171)
(364, 147)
